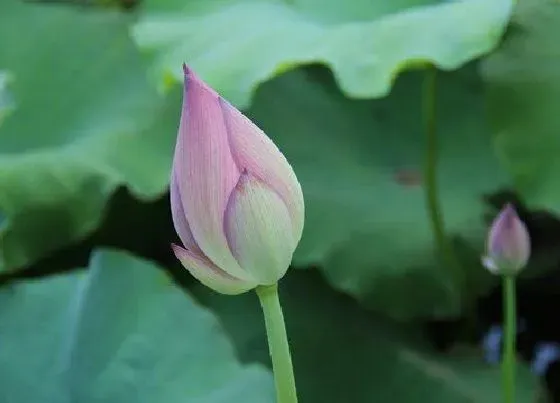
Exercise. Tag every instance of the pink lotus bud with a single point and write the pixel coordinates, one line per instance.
(509, 245)
(236, 202)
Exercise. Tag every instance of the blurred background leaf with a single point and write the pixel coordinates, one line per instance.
(120, 332)
(523, 80)
(82, 100)
(236, 44)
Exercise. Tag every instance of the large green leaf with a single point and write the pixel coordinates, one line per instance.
(81, 98)
(523, 79)
(360, 165)
(237, 44)
(120, 332)
(343, 354)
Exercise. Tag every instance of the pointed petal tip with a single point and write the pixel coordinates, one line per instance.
(508, 215)
(210, 275)
(510, 209)
(177, 250)
(191, 78)
(187, 76)
(506, 218)
(189, 73)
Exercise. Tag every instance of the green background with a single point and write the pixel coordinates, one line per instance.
(94, 306)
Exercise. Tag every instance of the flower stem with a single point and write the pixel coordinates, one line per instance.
(508, 362)
(430, 177)
(278, 344)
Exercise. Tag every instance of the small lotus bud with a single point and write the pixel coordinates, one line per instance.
(509, 245)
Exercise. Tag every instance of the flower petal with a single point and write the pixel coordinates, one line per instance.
(255, 152)
(209, 274)
(259, 230)
(205, 171)
(180, 218)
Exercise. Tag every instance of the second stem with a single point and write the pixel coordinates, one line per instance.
(508, 361)
(431, 159)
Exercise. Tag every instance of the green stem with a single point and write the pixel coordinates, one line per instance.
(430, 177)
(508, 362)
(278, 344)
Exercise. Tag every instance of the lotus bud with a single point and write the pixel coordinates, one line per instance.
(508, 245)
(236, 203)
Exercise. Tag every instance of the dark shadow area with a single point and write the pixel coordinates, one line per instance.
(144, 229)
